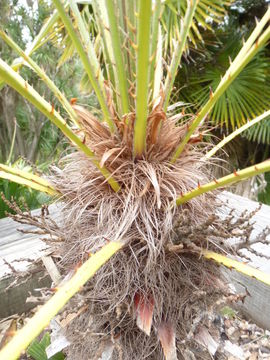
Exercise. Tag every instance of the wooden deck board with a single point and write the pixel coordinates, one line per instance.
(261, 220)
(16, 246)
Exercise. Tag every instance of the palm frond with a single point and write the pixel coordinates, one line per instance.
(88, 63)
(208, 12)
(259, 133)
(247, 97)
(59, 31)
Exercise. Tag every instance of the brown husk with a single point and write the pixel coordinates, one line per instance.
(161, 259)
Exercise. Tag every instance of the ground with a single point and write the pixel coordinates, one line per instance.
(237, 337)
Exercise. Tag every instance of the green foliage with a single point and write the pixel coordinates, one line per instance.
(59, 32)
(247, 97)
(26, 198)
(259, 133)
(228, 312)
(37, 349)
(35, 137)
(207, 14)
(244, 11)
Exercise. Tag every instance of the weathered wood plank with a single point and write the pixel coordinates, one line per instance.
(16, 246)
(13, 301)
(257, 304)
(261, 221)
(19, 250)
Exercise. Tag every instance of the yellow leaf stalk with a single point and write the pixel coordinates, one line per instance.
(28, 179)
(239, 266)
(224, 181)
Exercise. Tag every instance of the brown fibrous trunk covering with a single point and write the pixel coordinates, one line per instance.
(159, 281)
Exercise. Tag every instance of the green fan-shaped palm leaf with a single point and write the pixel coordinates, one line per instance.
(260, 132)
(246, 98)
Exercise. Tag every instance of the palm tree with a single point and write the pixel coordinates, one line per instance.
(136, 184)
(246, 98)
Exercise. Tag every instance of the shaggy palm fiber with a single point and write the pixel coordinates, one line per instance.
(157, 267)
(180, 289)
(144, 301)
(143, 210)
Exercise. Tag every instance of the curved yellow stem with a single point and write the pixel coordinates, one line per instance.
(239, 266)
(28, 179)
(236, 133)
(225, 180)
(28, 183)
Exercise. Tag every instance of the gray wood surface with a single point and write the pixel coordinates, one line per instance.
(18, 249)
(257, 305)
(17, 252)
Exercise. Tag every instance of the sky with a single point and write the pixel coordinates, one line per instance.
(30, 9)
